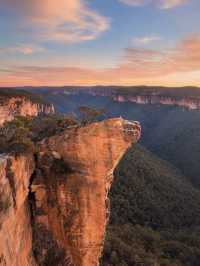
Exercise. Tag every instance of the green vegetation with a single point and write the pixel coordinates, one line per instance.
(151, 191)
(135, 245)
(16, 136)
(154, 208)
(22, 134)
(89, 114)
(170, 132)
(155, 215)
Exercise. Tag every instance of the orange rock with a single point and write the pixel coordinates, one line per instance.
(22, 107)
(15, 224)
(72, 192)
(54, 209)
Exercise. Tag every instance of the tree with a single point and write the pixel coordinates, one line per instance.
(89, 114)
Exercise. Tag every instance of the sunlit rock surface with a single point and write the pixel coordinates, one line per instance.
(15, 222)
(54, 206)
(71, 188)
(22, 106)
(190, 103)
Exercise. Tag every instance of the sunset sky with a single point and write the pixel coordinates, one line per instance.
(89, 42)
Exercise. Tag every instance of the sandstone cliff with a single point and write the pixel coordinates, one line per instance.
(146, 97)
(13, 106)
(15, 223)
(55, 207)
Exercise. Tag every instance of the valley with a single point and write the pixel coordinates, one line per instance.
(153, 216)
(170, 131)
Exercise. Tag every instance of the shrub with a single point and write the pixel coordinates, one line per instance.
(89, 114)
(22, 134)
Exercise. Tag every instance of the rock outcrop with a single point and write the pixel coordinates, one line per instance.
(15, 222)
(56, 207)
(71, 190)
(22, 106)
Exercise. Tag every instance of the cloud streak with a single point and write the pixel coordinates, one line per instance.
(63, 20)
(22, 49)
(145, 40)
(185, 57)
(138, 66)
(163, 4)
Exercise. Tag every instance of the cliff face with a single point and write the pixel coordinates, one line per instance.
(190, 103)
(22, 106)
(15, 225)
(70, 188)
(54, 208)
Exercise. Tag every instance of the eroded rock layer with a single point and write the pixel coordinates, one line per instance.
(22, 106)
(55, 207)
(147, 97)
(15, 223)
(71, 186)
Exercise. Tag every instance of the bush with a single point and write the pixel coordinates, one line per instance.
(89, 114)
(22, 134)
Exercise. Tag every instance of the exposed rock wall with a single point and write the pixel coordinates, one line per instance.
(15, 225)
(190, 103)
(56, 206)
(71, 186)
(22, 106)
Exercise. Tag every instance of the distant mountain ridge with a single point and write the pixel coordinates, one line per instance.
(187, 97)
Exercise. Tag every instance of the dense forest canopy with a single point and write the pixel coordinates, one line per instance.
(154, 214)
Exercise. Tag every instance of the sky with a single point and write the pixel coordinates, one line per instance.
(99, 42)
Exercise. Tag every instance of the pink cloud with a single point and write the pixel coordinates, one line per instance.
(138, 66)
(63, 20)
(22, 49)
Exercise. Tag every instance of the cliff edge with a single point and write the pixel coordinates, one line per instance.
(60, 215)
(21, 105)
(186, 97)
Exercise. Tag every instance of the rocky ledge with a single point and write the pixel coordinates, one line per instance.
(54, 206)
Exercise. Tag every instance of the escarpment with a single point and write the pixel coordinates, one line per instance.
(22, 106)
(71, 186)
(153, 96)
(56, 206)
(15, 223)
